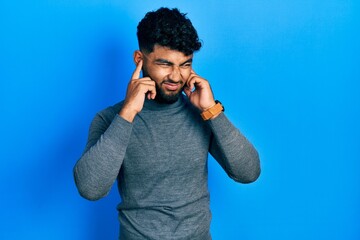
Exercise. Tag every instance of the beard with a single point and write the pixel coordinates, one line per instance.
(162, 96)
(167, 98)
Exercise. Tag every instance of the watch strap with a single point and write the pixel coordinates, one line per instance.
(213, 111)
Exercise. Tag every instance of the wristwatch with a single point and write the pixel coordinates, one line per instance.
(213, 111)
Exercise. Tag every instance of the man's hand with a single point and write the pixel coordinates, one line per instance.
(137, 89)
(199, 92)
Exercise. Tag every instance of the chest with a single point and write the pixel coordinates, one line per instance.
(167, 145)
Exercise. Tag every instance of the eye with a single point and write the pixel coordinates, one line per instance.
(164, 64)
(185, 66)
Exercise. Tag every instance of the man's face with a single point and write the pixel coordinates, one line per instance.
(170, 69)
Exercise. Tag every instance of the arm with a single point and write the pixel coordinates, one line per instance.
(236, 155)
(97, 169)
(228, 146)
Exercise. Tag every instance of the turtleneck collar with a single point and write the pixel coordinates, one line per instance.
(155, 106)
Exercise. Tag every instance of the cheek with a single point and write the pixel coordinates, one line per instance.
(158, 75)
(155, 73)
(186, 74)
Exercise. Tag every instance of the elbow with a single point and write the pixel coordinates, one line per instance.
(250, 171)
(87, 190)
(89, 195)
(249, 177)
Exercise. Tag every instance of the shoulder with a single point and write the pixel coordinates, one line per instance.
(110, 112)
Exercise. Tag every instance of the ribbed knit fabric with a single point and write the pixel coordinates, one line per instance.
(160, 162)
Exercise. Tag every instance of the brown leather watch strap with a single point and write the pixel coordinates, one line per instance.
(214, 110)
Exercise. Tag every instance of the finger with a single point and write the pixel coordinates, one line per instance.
(151, 93)
(191, 82)
(148, 89)
(146, 80)
(193, 74)
(187, 91)
(195, 81)
(144, 87)
(136, 74)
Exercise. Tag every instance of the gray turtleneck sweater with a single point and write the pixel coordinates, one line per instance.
(160, 164)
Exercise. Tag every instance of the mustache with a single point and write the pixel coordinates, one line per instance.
(172, 81)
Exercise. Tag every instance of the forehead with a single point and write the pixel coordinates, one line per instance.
(168, 54)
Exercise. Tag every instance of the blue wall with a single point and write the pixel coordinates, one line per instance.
(288, 73)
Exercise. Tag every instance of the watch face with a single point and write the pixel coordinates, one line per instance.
(223, 109)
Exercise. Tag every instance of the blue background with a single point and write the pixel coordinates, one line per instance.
(288, 73)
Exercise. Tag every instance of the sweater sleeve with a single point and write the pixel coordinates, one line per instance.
(97, 169)
(236, 155)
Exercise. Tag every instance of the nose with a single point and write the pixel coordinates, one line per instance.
(175, 74)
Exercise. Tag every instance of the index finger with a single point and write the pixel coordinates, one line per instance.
(191, 77)
(136, 74)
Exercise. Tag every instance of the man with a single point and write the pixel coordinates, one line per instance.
(156, 142)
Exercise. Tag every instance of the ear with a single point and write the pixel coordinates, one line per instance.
(138, 56)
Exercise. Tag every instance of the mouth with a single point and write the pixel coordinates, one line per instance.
(170, 86)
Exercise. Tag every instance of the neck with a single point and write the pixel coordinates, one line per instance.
(162, 105)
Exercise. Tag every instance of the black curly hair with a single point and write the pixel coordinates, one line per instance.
(168, 28)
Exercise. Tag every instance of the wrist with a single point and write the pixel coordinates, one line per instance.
(213, 111)
(208, 106)
(127, 113)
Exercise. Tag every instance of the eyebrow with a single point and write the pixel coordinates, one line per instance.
(161, 60)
